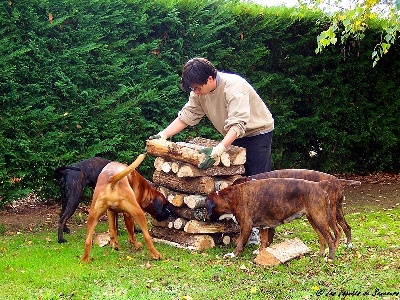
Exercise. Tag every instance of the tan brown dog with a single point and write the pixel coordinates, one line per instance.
(267, 203)
(335, 191)
(120, 188)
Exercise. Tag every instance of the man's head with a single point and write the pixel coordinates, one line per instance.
(198, 75)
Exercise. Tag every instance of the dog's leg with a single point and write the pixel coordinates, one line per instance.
(112, 226)
(129, 223)
(62, 223)
(333, 224)
(138, 215)
(245, 230)
(324, 235)
(271, 233)
(321, 239)
(72, 195)
(93, 219)
(342, 222)
(266, 236)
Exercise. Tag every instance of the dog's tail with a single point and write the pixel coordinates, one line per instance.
(115, 178)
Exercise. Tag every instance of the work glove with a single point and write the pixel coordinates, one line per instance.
(160, 135)
(212, 154)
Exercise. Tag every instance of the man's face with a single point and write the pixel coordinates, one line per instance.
(204, 89)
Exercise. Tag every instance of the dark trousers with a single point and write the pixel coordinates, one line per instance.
(258, 153)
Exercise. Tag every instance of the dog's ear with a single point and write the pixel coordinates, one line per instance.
(158, 206)
(209, 206)
(162, 211)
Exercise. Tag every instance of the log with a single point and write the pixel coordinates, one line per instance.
(282, 252)
(194, 201)
(175, 166)
(199, 214)
(102, 239)
(163, 190)
(196, 226)
(225, 181)
(180, 223)
(176, 199)
(183, 239)
(224, 239)
(237, 155)
(160, 164)
(174, 151)
(189, 152)
(168, 223)
(188, 170)
(196, 185)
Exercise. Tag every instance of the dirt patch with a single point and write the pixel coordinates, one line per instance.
(377, 192)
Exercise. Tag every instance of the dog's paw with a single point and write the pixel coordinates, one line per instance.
(349, 245)
(230, 255)
(85, 259)
(137, 245)
(256, 252)
(115, 246)
(156, 255)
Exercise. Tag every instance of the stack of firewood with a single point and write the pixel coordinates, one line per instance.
(178, 177)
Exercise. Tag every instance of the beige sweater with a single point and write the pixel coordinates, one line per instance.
(233, 104)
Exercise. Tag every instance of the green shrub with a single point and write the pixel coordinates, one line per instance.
(82, 79)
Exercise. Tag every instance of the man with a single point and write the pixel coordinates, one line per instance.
(234, 108)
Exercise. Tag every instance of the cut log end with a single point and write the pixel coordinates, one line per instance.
(281, 252)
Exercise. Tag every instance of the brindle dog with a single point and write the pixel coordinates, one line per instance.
(72, 181)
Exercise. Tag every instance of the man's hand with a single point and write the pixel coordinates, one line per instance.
(160, 135)
(211, 155)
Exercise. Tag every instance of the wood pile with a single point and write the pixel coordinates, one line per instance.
(178, 177)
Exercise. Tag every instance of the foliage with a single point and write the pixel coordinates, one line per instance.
(34, 265)
(350, 23)
(81, 79)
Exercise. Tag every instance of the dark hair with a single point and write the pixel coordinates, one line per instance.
(196, 71)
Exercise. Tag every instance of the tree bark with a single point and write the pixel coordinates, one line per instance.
(237, 155)
(174, 151)
(188, 170)
(196, 185)
(199, 214)
(195, 201)
(282, 252)
(189, 152)
(183, 239)
(195, 226)
(180, 223)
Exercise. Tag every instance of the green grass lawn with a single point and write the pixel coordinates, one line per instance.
(34, 266)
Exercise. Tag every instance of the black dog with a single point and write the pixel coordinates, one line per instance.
(72, 181)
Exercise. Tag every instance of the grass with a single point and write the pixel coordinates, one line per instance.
(34, 266)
